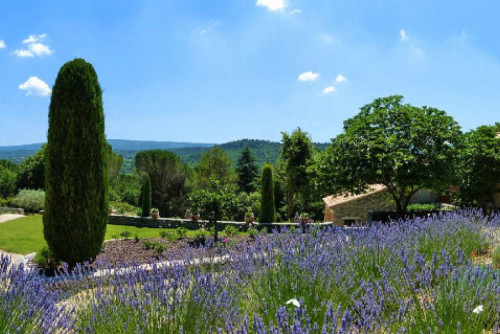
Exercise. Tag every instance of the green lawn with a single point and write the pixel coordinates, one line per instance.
(25, 235)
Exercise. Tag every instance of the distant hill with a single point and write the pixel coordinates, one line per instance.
(190, 153)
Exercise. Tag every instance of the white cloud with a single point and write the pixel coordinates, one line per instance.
(329, 90)
(35, 48)
(2, 44)
(40, 49)
(340, 78)
(272, 4)
(308, 76)
(34, 38)
(35, 87)
(295, 11)
(24, 53)
(403, 35)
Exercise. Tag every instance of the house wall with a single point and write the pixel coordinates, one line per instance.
(358, 209)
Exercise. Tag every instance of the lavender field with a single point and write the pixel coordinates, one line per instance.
(417, 276)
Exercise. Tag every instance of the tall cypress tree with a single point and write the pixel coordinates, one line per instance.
(247, 170)
(146, 196)
(267, 210)
(76, 185)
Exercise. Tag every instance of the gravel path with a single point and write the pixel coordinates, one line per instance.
(9, 216)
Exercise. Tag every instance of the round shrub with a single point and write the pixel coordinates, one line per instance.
(30, 200)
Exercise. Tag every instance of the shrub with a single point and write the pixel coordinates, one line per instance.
(136, 238)
(267, 210)
(495, 256)
(30, 200)
(172, 236)
(125, 208)
(163, 233)
(126, 234)
(45, 260)
(230, 231)
(76, 205)
(201, 236)
(181, 232)
(421, 207)
(146, 196)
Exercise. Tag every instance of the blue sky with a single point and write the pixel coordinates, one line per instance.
(215, 71)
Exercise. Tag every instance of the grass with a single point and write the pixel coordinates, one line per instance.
(25, 235)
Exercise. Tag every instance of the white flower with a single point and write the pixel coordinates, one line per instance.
(293, 301)
(478, 309)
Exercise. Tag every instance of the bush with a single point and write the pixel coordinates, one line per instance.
(421, 207)
(30, 200)
(125, 208)
(267, 210)
(45, 260)
(201, 236)
(495, 256)
(231, 231)
(126, 234)
(76, 205)
(181, 232)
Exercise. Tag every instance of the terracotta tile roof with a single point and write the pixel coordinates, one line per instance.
(332, 201)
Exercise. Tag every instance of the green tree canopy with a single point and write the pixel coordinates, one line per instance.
(115, 162)
(7, 178)
(295, 155)
(168, 180)
(214, 171)
(406, 148)
(247, 171)
(480, 165)
(32, 171)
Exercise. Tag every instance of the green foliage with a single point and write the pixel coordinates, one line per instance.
(213, 205)
(267, 209)
(295, 156)
(214, 171)
(124, 208)
(163, 234)
(247, 171)
(7, 181)
(76, 205)
(45, 260)
(137, 238)
(406, 148)
(146, 196)
(421, 207)
(230, 231)
(126, 234)
(480, 166)
(201, 236)
(181, 232)
(115, 162)
(32, 171)
(495, 256)
(168, 180)
(30, 200)
(126, 188)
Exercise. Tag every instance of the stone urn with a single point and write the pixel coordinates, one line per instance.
(155, 213)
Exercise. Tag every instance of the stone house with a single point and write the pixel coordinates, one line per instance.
(348, 209)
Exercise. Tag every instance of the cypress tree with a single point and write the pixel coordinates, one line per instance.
(247, 170)
(76, 183)
(146, 196)
(267, 210)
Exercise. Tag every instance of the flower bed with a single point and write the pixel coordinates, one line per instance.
(415, 276)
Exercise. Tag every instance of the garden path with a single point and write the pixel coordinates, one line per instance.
(9, 216)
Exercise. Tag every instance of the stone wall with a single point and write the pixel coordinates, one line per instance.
(193, 225)
(170, 223)
(357, 210)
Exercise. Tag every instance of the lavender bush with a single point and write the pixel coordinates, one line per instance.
(413, 276)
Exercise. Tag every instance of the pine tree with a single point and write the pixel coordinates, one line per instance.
(76, 202)
(267, 210)
(146, 196)
(247, 170)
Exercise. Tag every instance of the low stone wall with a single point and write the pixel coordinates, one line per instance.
(18, 211)
(194, 225)
(171, 223)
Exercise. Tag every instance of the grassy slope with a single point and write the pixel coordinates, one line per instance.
(25, 235)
